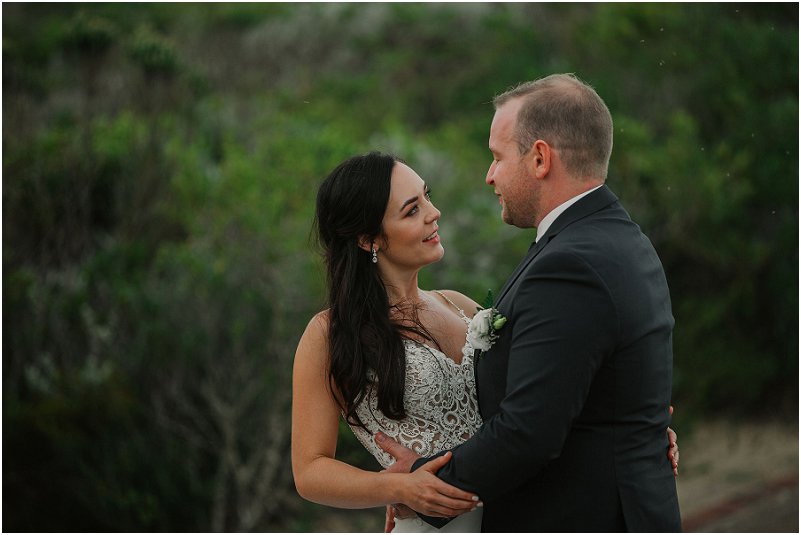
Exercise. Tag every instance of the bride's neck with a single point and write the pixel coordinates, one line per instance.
(402, 288)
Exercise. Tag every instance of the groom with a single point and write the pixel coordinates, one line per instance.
(575, 391)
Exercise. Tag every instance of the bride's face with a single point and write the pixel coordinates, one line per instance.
(410, 222)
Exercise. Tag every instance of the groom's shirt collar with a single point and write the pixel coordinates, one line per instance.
(548, 220)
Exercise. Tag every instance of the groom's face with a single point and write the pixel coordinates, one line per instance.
(509, 173)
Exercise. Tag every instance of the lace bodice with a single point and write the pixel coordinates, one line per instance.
(440, 403)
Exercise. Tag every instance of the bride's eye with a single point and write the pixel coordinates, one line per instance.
(428, 193)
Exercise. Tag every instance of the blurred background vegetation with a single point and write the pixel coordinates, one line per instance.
(160, 163)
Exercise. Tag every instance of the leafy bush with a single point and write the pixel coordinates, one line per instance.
(160, 163)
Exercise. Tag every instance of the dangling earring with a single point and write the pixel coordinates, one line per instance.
(375, 256)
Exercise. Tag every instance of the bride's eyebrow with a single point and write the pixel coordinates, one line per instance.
(407, 202)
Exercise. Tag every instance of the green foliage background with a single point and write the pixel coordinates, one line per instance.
(160, 163)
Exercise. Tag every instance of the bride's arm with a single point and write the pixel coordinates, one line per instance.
(319, 477)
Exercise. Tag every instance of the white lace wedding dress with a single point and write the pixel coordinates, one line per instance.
(441, 413)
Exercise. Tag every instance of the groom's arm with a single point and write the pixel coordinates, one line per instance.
(563, 324)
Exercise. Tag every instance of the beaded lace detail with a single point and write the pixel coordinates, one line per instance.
(440, 403)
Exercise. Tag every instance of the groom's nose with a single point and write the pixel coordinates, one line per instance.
(490, 174)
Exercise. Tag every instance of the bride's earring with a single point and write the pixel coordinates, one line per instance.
(375, 256)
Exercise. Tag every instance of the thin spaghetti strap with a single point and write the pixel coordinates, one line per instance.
(461, 311)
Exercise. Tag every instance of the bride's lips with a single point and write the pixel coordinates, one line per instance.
(433, 237)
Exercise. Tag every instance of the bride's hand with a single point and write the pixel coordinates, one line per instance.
(429, 495)
(673, 447)
(425, 492)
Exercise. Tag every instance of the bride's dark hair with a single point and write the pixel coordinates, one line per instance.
(362, 335)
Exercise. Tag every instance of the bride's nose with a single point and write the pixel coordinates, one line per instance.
(433, 214)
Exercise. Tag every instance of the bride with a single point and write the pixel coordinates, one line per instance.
(386, 355)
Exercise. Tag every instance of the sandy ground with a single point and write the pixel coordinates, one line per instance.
(741, 479)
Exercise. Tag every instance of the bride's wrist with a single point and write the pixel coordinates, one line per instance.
(406, 490)
(391, 488)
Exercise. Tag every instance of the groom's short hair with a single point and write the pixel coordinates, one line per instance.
(568, 114)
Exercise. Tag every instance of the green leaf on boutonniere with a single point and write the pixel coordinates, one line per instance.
(488, 301)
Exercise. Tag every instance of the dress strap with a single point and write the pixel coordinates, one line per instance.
(461, 311)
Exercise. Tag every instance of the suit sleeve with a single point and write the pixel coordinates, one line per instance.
(562, 326)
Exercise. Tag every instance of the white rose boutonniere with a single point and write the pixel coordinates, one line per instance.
(483, 329)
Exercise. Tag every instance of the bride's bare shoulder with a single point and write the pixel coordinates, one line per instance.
(314, 340)
(320, 321)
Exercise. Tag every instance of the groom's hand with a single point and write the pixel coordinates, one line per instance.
(397, 511)
(399, 452)
(404, 457)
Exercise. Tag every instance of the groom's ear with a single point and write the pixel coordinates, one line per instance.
(540, 159)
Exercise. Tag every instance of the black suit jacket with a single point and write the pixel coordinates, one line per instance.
(575, 392)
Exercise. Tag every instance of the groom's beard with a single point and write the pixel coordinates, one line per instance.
(524, 209)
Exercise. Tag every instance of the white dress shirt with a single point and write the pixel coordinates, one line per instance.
(556, 212)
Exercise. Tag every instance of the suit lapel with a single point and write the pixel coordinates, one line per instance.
(532, 252)
(585, 206)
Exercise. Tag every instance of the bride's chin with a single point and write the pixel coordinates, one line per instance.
(432, 259)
